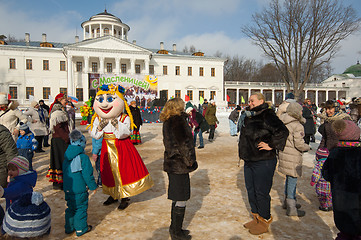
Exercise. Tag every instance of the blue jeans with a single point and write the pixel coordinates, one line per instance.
(97, 168)
(199, 133)
(290, 187)
(258, 177)
(233, 127)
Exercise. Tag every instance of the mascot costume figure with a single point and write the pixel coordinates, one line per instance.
(123, 172)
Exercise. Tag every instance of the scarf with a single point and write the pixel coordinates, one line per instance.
(41, 114)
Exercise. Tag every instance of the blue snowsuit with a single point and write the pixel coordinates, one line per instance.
(26, 145)
(75, 182)
(20, 185)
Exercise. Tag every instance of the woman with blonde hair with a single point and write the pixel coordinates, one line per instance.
(262, 135)
(179, 161)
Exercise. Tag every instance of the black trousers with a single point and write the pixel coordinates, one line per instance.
(40, 142)
(258, 179)
(212, 128)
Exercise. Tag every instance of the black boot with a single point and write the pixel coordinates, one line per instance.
(109, 201)
(124, 203)
(175, 229)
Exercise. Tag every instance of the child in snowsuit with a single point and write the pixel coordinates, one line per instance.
(343, 169)
(77, 176)
(21, 180)
(26, 144)
(323, 188)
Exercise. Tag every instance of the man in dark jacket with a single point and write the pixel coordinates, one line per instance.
(233, 119)
(8, 151)
(309, 126)
(262, 134)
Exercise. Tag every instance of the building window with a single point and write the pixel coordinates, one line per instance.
(98, 32)
(213, 94)
(79, 94)
(201, 71)
(190, 94)
(64, 91)
(189, 71)
(137, 68)
(106, 31)
(79, 66)
(45, 64)
(109, 67)
(12, 63)
(177, 70)
(151, 69)
(177, 93)
(165, 70)
(62, 66)
(94, 67)
(213, 72)
(201, 94)
(124, 68)
(29, 92)
(13, 91)
(46, 92)
(29, 64)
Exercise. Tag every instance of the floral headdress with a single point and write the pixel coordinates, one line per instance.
(118, 90)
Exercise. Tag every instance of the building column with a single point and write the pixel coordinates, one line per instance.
(86, 64)
(273, 96)
(306, 93)
(123, 33)
(101, 30)
(316, 98)
(70, 76)
(90, 31)
(132, 66)
(326, 95)
(112, 30)
(101, 65)
(337, 95)
(237, 96)
(84, 33)
(249, 93)
(284, 94)
(117, 66)
(146, 66)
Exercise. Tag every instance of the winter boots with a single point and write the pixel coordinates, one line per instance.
(284, 205)
(292, 208)
(175, 229)
(261, 226)
(252, 223)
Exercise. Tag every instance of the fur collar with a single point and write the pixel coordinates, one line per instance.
(57, 117)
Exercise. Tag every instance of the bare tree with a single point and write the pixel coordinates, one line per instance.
(301, 35)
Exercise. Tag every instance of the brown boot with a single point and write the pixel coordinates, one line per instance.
(250, 224)
(261, 226)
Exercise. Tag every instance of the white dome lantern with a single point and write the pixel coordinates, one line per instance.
(104, 24)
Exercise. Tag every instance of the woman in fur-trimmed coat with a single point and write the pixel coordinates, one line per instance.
(290, 159)
(179, 161)
(60, 140)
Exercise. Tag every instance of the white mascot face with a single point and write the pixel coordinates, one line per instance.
(108, 106)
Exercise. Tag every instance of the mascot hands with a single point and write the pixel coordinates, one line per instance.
(114, 122)
(103, 123)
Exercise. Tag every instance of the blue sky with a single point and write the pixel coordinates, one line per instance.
(209, 25)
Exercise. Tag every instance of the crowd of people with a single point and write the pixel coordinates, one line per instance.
(267, 139)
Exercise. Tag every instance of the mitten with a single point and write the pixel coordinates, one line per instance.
(103, 123)
(114, 122)
(1, 191)
(312, 183)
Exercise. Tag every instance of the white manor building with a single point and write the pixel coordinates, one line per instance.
(43, 69)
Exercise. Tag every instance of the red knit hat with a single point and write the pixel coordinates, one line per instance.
(346, 130)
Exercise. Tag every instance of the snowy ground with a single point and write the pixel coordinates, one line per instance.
(218, 206)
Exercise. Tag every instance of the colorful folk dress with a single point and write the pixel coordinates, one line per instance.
(123, 172)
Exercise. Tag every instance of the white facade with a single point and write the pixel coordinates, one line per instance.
(69, 65)
(345, 81)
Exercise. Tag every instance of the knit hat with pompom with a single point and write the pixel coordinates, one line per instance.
(28, 217)
(346, 130)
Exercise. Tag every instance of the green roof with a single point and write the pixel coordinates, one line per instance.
(354, 69)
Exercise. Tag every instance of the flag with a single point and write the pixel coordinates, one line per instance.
(73, 99)
(186, 98)
(242, 100)
(201, 100)
(228, 98)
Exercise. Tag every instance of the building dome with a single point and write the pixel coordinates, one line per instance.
(354, 69)
(103, 24)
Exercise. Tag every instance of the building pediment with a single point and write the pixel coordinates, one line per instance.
(108, 43)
